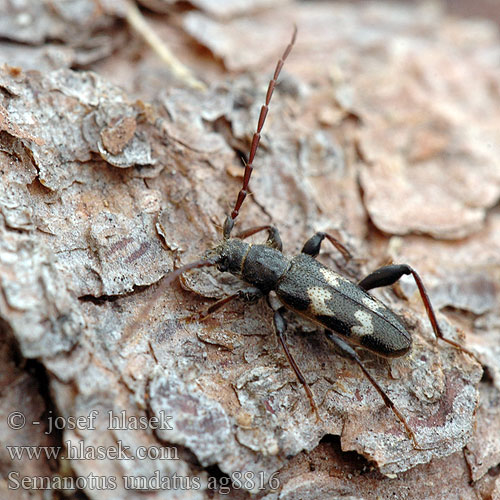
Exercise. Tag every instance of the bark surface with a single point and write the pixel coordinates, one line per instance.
(384, 130)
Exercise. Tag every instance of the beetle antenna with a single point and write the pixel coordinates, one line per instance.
(166, 281)
(229, 223)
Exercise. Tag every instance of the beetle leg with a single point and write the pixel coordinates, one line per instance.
(250, 294)
(273, 240)
(385, 276)
(313, 245)
(388, 275)
(280, 328)
(350, 353)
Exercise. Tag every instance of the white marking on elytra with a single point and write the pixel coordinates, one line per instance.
(366, 326)
(332, 278)
(318, 296)
(372, 304)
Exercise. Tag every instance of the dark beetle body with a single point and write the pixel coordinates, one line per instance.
(332, 301)
(314, 291)
(343, 308)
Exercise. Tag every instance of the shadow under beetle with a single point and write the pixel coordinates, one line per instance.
(349, 314)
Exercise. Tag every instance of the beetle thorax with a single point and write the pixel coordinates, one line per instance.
(259, 265)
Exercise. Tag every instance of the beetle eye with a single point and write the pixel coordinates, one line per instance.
(223, 263)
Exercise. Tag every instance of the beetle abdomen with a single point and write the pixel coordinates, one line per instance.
(336, 303)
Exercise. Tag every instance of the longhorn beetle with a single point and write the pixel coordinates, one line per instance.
(349, 315)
